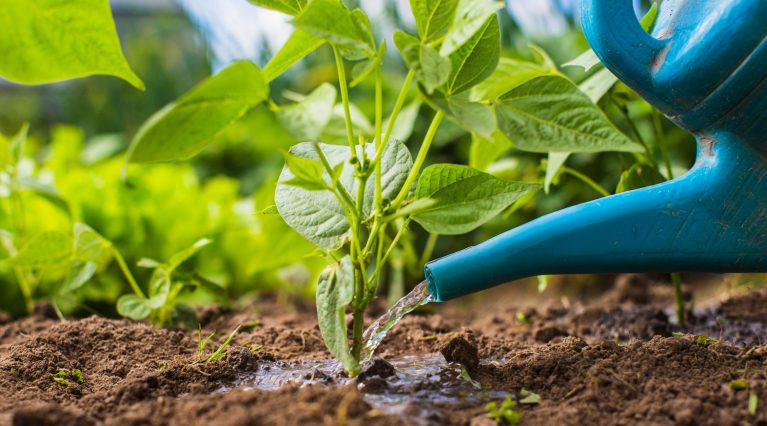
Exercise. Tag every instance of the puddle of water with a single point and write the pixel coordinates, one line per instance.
(375, 334)
(420, 384)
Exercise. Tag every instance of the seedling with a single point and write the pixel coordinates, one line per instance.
(505, 414)
(753, 403)
(356, 202)
(738, 384)
(219, 353)
(529, 397)
(64, 376)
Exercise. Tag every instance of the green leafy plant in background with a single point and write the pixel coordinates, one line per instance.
(352, 187)
(505, 414)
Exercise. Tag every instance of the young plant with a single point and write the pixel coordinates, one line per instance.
(505, 414)
(353, 188)
(202, 343)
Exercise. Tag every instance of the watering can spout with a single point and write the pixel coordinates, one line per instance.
(705, 221)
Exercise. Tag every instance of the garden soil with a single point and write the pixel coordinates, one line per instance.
(594, 357)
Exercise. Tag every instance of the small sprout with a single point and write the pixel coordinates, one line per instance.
(505, 415)
(202, 343)
(220, 352)
(529, 397)
(63, 377)
(164, 367)
(255, 348)
(738, 384)
(704, 340)
(251, 325)
(753, 403)
(678, 334)
(522, 318)
(465, 376)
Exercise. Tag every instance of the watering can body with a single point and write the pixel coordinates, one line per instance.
(705, 67)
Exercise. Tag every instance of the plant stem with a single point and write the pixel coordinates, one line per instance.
(587, 180)
(662, 142)
(345, 99)
(419, 159)
(428, 250)
(676, 280)
(395, 112)
(379, 142)
(127, 273)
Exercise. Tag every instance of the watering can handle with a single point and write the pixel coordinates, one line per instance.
(618, 39)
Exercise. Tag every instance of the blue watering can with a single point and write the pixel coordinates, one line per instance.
(705, 67)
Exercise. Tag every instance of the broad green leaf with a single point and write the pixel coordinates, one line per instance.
(586, 60)
(90, 246)
(79, 274)
(307, 119)
(555, 162)
(431, 69)
(484, 151)
(639, 176)
(48, 248)
(44, 41)
(183, 128)
(403, 128)
(317, 215)
(288, 7)
(299, 44)
(307, 173)
(509, 74)
(473, 116)
(550, 114)
(433, 17)
(335, 290)
(476, 59)
(598, 84)
(465, 198)
(331, 20)
(178, 258)
(133, 307)
(470, 16)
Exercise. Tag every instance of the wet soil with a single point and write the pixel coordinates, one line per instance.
(612, 357)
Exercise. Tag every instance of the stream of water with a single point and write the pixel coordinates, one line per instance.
(375, 334)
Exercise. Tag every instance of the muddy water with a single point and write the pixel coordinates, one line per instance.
(419, 384)
(375, 334)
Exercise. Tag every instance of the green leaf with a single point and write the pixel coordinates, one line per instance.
(335, 290)
(133, 307)
(431, 69)
(363, 69)
(288, 7)
(159, 288)
(317, 215)
(79, 274)
(406, 119)
(639, 176)
(307, 119)
(299, 44)
(183, 128)
(529, 397)
(307, 173)
(465, 198)
(182, 256)
(586, 60)
(555, 162)
(473, 116)
(470, 16)
(331, 20)
(44, 41)
(90, 246)
(550, 114)
(509, 74)
(596, 86)
(48, 248)
(484, 151)
(433, 17)
(10, 148)
(476, 59)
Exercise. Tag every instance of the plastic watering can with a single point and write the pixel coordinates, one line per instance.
(705, 67)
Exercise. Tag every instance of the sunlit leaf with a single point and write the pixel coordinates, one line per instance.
(133, 307)
(335, 290)
(45, 249)
(44, 41)
(183, 128)
(465, 198)
(433, 17)
(476, 59)
(289, 7)
(299, 44)
(307, 119)
(470, 16)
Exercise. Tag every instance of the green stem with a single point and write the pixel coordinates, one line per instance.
(587, 180)
(676, 280)
(392, 246)
(379, 142)
(395, 113)
(419, 159)
(127, 273)
(428, 250)
(25, 288)
(345, 99)
(662, 143)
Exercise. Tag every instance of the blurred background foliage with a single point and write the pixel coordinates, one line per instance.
(72, 163)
